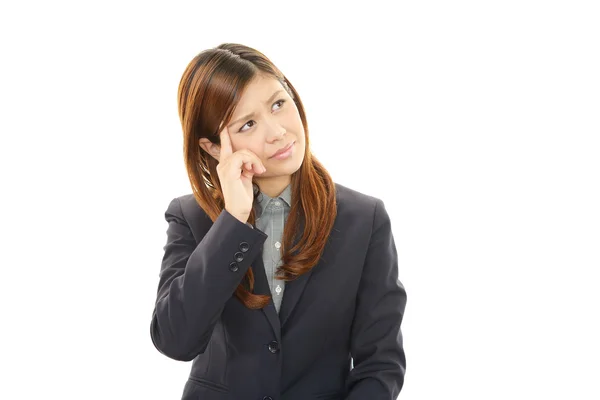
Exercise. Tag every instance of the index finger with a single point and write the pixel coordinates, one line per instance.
(226, 148)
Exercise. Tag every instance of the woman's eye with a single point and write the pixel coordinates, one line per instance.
(242, 128)
(278, 101)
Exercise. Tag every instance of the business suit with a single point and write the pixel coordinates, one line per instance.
(350, 304)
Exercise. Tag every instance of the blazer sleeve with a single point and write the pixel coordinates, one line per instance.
(197, 280)
(376, 339)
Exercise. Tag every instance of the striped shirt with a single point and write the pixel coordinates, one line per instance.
(271, 215)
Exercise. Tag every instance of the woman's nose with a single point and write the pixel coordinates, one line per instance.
(275, 130)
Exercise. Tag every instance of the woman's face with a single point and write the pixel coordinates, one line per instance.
(265, 120)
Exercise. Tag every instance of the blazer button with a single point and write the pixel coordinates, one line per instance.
(239, 257)
(244, 246)
(267, 398)
(274, 346)
(234, 266)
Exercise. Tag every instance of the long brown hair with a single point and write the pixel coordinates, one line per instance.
(209, 90)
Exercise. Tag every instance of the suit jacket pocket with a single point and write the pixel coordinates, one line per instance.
(208, 384)
(329, 395)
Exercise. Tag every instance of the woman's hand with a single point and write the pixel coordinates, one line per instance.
(235, 171)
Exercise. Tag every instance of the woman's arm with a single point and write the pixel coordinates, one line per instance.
(197, 280)
(376, 340)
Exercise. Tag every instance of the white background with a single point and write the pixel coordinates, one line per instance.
(476, 122)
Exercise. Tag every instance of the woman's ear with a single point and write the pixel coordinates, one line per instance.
(210, 147)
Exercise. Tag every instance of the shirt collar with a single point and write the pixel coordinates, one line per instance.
(263, 199)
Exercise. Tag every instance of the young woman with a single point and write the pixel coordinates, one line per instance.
(277, 282)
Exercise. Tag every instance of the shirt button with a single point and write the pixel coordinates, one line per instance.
(234, 266)
(277, 203)
(274, 347)
(277, 245)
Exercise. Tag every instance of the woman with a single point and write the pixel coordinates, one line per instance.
(266, 306)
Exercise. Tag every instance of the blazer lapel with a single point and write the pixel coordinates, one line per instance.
(291, 295)
(293, 289)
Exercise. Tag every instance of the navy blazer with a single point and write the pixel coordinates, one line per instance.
(346, 312)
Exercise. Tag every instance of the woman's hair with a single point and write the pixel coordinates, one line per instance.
(209, 90)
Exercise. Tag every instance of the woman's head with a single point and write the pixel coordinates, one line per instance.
(238, 86)
(265, 120)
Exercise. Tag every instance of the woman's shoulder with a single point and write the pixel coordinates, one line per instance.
(187, 208)
(362, 209)
(354, 201)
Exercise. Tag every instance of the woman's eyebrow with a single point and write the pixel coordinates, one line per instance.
(252, 114)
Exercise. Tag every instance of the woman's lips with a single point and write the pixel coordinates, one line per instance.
(286, 153)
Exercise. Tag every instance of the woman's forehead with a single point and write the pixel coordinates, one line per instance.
(261, 89)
